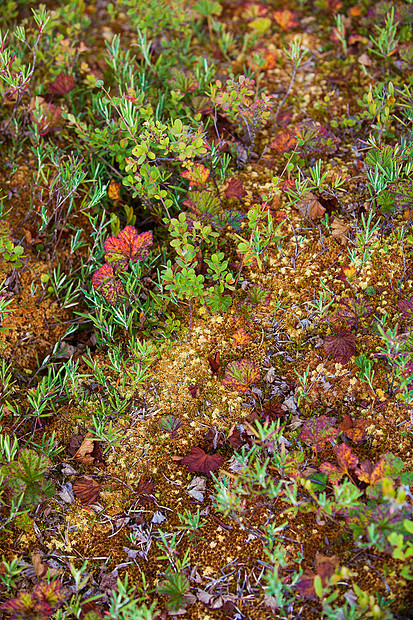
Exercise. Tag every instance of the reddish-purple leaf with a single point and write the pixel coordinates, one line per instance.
(62, 84)
(128, 245)
(87, 490)
(105, 281)
(341, 345)
(305, 585)
(406, 307)
(45, 599)
(215, 364)
(317, 432)
(145, 489)
(235, 189)
(241, 375)
(237, 437)
(316, 139)
(198, 460)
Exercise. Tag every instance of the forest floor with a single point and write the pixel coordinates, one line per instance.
(237, 446)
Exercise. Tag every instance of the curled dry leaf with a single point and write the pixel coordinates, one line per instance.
(339, 230)
(196, 488)
(195, 391)
(215, 364)
(311, 207)
(41, 568)
(84, 452)
(87, 490)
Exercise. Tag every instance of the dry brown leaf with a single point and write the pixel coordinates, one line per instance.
(310, 207)
(84, 453)
(339, 230)
(42, 569)
(365, 60)
(87, 490)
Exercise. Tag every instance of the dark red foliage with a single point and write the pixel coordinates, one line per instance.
(62, 84)
(341, 345)
(145, 489)
(198, 460)
(235, 189)
(215, 364)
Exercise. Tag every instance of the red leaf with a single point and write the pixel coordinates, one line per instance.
(128, 245)
(237, 437)
(196, 174)
(198, 460)
(369, 473)
(346, 459)
(341, 345)
(285, 19)
(241, 375)
(145, 489)
(235, 189)
(105, 281)
(354, 429)
(87, 490)
(62, 84)
(215, 364)
(284, 142)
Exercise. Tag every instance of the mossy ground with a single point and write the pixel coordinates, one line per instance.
(283, 335)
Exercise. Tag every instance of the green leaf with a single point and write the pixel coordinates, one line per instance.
(318, 586)
(408, 526)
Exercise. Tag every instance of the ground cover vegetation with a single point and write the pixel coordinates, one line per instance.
(206, 363)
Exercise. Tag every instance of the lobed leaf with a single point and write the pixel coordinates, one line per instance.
(128, 245)
(105, 281)
(198, 460)
(318, 432)
(241, 375)
(341, 345)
